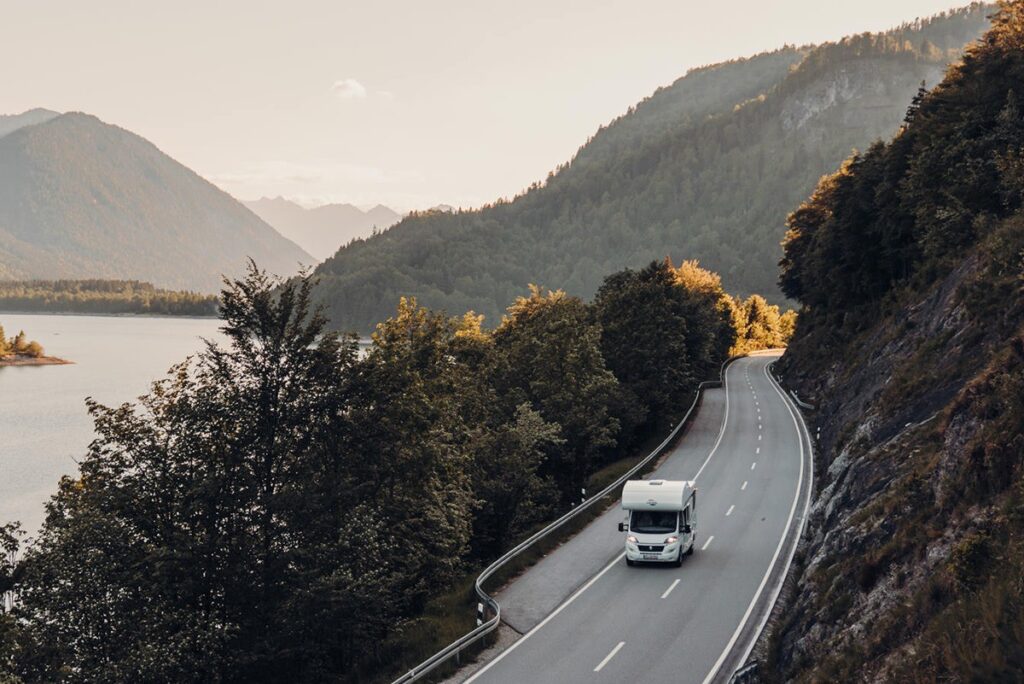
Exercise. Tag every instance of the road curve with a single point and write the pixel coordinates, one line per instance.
(694, 623)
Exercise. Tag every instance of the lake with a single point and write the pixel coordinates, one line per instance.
(44, 426)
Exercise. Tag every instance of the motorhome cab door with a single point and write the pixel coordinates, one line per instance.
(688, 524)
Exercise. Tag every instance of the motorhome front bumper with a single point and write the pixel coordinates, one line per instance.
(653, 553)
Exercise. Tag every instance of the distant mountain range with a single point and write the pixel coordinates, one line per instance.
(80, 198)
(707, 168)
(323, 230)
(12, 122)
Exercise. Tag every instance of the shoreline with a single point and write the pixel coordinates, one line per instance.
(16, 360)
(124, 314)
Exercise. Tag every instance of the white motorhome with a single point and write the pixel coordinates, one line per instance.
(661, 523)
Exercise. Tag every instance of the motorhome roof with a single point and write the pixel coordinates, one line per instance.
(657, 495)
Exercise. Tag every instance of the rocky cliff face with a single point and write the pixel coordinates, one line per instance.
(909, 483)
(864, 93)
(910, 262)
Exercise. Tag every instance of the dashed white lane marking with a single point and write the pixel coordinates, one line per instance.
(729, 512)
(753, 465)
(758, 450)
(609, 656)
(744, 485)
(707, 542)
(759, 438)
(669, 590)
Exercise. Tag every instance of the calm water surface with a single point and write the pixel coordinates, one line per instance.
(44, 426)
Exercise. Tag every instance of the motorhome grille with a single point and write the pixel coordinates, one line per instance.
(649, 548)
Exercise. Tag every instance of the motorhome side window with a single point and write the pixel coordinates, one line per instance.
(654, 522)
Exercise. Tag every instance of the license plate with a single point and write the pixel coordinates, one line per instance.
(650, 556)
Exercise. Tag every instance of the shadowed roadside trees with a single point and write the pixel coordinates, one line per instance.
(280, 507)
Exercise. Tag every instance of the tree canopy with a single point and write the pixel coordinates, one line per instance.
(283, 506)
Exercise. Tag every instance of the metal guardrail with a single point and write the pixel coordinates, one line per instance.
(488, 626)
(802, 404)
(746, 674)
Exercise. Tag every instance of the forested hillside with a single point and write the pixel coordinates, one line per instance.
(706, 169)
(80, 198)
(909, 262)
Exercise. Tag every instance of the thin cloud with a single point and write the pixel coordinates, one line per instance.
(349, 89)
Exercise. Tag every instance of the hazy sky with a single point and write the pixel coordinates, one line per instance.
(406, 103)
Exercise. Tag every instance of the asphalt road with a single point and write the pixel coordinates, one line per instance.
(665, 624)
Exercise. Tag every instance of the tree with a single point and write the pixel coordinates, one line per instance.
(34, 349)
(19, 343)
(660, 333)
(9, 629)
(512, 492)
(413, 448)
(200, 527)
(763, 326)
(551, 358)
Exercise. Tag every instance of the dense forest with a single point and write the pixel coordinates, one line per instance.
(909, 263)
(706, 169)
(239, 523)
(102, 296)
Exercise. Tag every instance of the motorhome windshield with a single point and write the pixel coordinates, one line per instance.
(653, 522)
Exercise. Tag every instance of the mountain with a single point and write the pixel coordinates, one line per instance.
(12, 122)
(707, 168)
(80, 198)
(909, 262)
(322, 230)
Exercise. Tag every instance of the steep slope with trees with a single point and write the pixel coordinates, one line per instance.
(909, 262)
(705, 169)
(80, 198)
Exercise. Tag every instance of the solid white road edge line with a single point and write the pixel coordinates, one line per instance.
(707, 542)
(547, 619)
(721, 434)
(794, 413)
(778, 549)
(725, 422)
(669, 590)
(609, 656)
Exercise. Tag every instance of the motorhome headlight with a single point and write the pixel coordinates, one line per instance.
(672, 540)
(631, 539)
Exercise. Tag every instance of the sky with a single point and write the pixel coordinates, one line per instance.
(409, 104)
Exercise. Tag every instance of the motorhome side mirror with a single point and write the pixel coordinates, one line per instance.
(687, 529)
(622, 527)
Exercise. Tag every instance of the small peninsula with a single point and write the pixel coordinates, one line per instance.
(20, 351)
